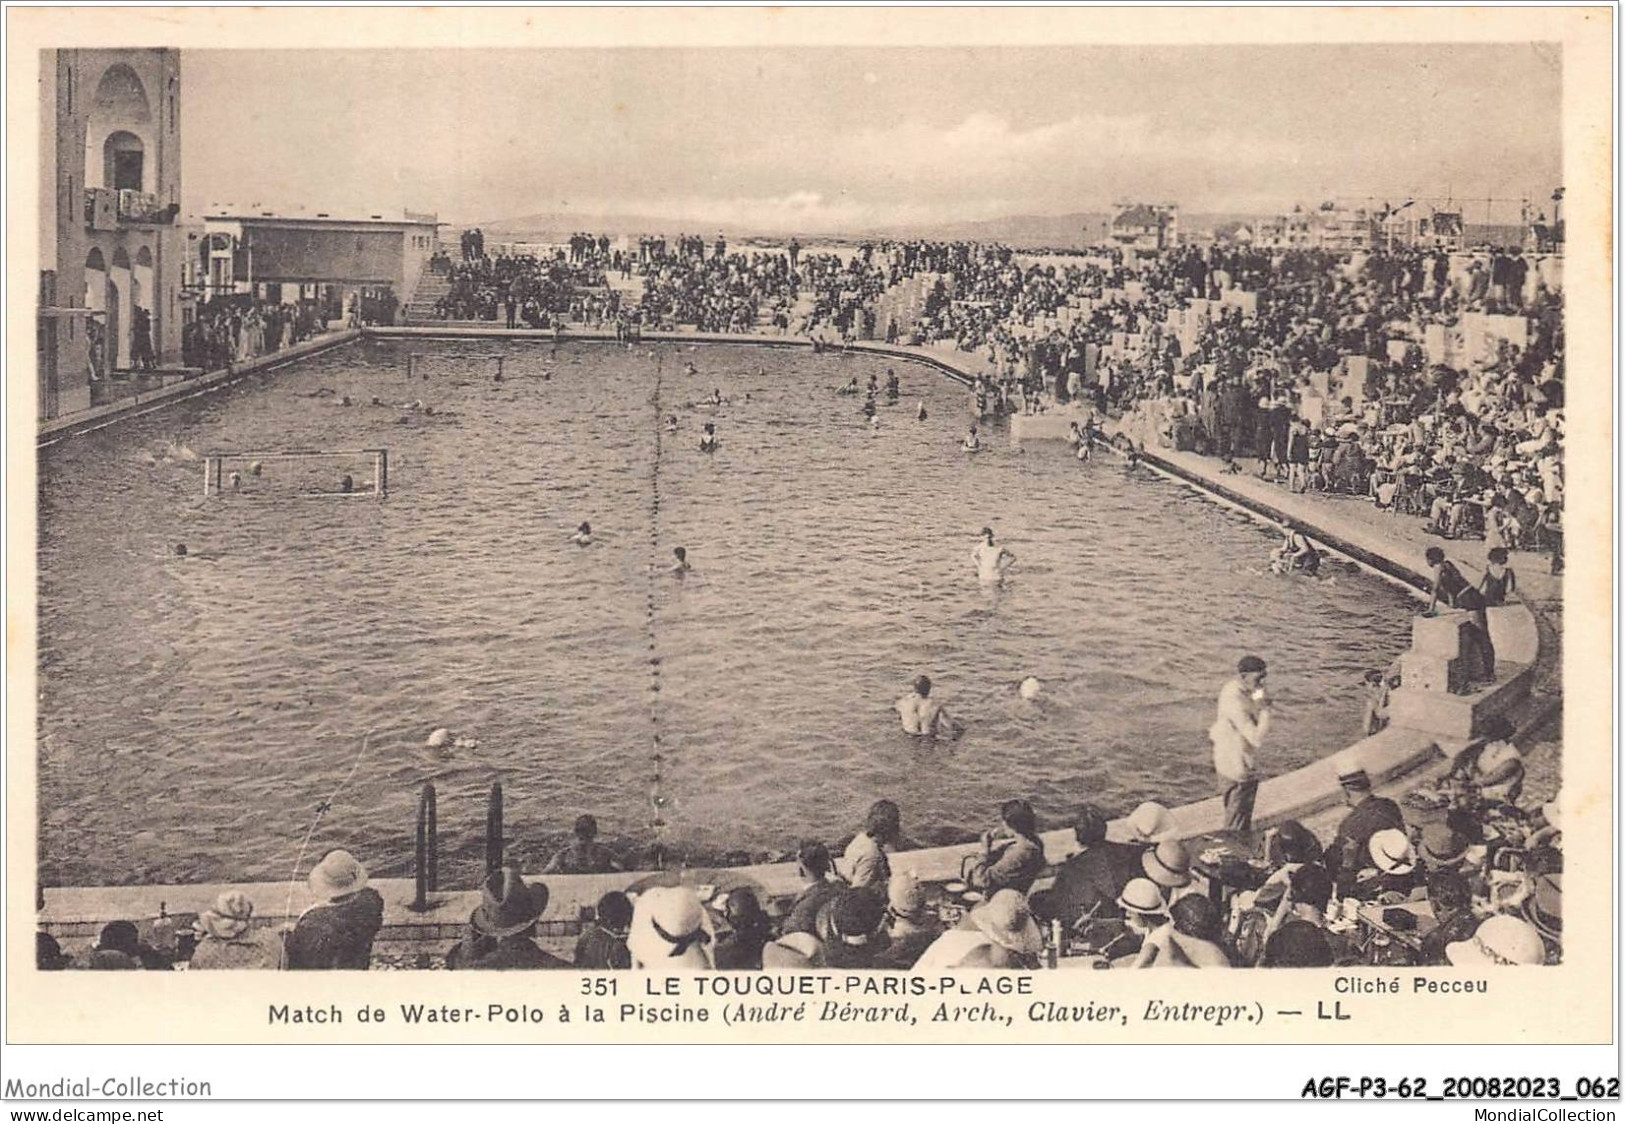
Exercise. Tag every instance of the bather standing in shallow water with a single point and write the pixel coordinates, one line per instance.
(992, 561)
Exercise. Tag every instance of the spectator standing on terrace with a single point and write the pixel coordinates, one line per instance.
(336, 932)
(584, 854)
(503, 925)
(1237, 732)
(865, 863)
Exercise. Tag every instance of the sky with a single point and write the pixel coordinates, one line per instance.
(839, 139)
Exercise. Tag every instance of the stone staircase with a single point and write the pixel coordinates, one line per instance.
(904, 303)
(430, 288)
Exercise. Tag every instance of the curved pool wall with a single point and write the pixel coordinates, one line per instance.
(1398, 758)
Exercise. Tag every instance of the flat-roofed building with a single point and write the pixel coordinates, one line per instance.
(325, 255)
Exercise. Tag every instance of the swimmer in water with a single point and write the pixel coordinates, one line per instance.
(991, 560)
(849, 388)
(893, 385)
(972, 443)
(1296, 554)
(708, 439)
(923, 716)
(236, 481)
(690, 369)
(869, 408)
(583, 535)
(680, 566)
(671, 423)
(346, 484)
(921, 412)
(180, 550)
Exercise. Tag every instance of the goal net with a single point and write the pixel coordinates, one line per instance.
(360, 472)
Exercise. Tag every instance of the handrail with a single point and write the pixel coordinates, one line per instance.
(493, 830)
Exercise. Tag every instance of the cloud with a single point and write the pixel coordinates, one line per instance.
(1073, 163)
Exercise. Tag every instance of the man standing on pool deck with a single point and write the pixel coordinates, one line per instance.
(1237, 733)
(923, 716)
(991, 561)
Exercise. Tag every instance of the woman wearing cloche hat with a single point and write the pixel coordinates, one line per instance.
(228, 938)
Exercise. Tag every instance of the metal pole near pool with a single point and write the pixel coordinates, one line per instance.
(493, 830)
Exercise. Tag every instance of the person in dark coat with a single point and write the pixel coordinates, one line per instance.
(749, 929)
(852, 928)
(602, 945)
(1087, 885)
(1368, 814)
(336, 932)
(502, 926)
(823, 883)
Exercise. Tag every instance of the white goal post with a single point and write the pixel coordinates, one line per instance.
(299, 472)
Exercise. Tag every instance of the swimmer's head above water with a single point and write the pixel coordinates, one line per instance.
(922, 686)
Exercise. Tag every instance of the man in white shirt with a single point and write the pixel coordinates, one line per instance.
(1237, 732)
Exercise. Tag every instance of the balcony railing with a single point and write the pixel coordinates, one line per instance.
(106, 209)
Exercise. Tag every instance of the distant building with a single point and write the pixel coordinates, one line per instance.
(1422, 227)
(110, 186)
(288, 258)
(1146, 226)
(1350, 230)
(1299, 230)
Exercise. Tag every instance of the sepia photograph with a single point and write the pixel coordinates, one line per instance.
(866, 510)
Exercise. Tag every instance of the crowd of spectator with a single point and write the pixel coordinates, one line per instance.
(1465, 871)
(234, 329)
(1426, 383)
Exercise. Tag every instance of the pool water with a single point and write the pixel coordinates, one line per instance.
(196, 710)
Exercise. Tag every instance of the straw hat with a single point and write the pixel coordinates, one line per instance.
(1544, 908)
(1142, 896)
(1503, 939)
(1006, 921)
(337, 875)
(1391, 850)
(905, 897)
(229, 918)
(1152, 823)
(670, 930)
(1168, 864)
(507, 904)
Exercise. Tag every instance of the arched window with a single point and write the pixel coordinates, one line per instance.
(123, 159)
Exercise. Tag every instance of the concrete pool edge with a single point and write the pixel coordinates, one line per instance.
(52, 430)
(1397, 759)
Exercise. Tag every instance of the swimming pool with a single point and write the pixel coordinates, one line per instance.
(194, 711)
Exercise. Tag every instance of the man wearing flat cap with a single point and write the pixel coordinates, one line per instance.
(1237, 733)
